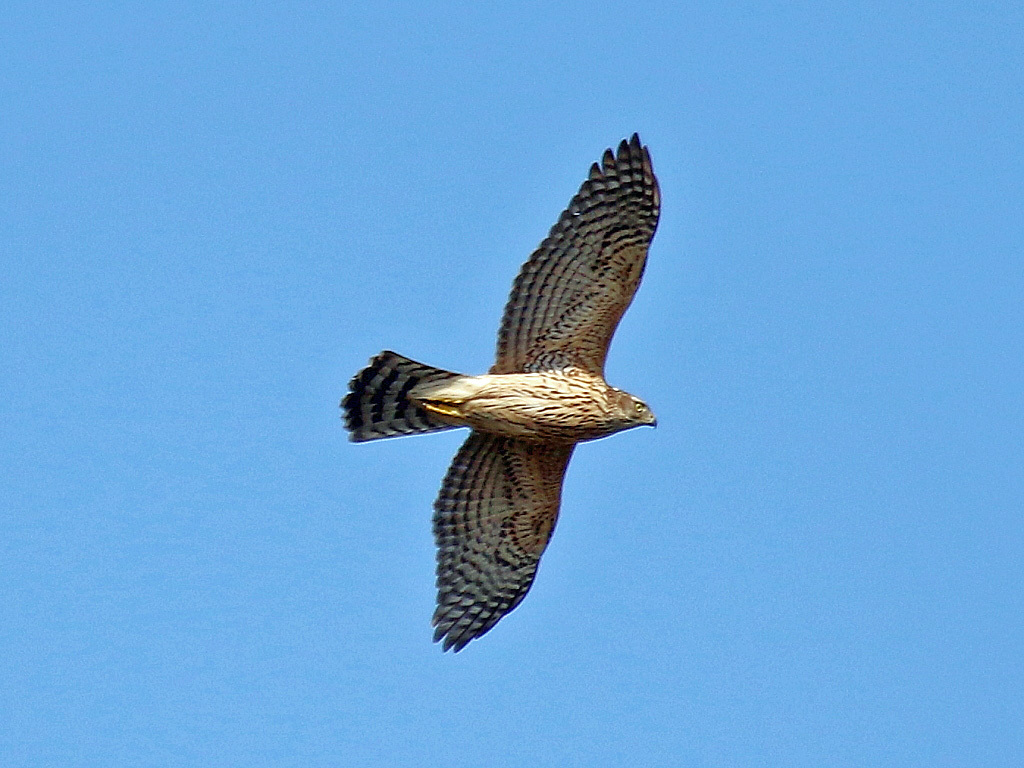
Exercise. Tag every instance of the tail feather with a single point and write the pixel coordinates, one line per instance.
(377, 404)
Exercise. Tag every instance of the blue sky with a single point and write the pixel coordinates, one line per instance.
(214, 213)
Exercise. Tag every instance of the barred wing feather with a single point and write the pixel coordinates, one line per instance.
(571, 293)
(492, 521)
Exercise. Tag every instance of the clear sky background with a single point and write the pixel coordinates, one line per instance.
(212, 214)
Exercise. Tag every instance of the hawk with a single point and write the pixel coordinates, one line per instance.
(544, 394)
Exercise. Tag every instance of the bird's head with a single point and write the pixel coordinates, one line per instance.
(634, 412)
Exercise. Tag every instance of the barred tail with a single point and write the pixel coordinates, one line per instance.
(377, 405)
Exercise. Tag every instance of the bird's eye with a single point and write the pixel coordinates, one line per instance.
(640, 407)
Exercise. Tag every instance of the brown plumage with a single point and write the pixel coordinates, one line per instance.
(545, 393)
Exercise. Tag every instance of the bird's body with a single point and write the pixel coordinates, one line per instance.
(569, 405)
(545, 393)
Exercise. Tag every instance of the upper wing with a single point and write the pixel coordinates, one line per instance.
(493, 518)
(569, 296)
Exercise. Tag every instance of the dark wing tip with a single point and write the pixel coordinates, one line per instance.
(452, 636)
(450, 641)
(624, 152)
(608, 161)
(631, 153)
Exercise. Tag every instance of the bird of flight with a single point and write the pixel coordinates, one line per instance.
(544, 394)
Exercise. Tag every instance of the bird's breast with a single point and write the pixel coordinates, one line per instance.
(562, 406)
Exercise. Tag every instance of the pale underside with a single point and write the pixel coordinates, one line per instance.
(566, 406)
